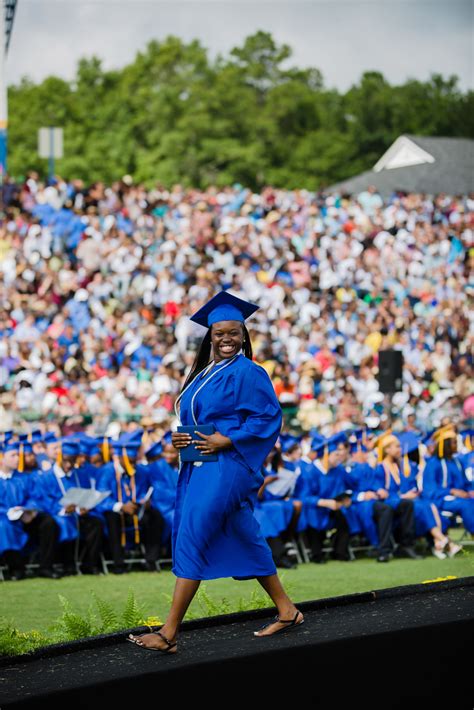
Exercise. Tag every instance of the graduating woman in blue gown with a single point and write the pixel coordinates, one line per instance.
(215, 533)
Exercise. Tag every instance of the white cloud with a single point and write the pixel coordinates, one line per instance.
(342, 38)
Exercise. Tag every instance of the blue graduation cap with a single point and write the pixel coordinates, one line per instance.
(130, 441)
(428, 437)
(356, 439)
(70, 446)
(223, 306)
(10, 445)
(328, 445)
(287, 441)
(409, 441)
(25, 441)
(6, 435)
(88, 445)
(50, 438)
(157, 447)
(155, 450)
(317, 440)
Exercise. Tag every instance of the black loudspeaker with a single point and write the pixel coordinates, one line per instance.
(390, 371)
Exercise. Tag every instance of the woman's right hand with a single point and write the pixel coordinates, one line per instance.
(180, 439)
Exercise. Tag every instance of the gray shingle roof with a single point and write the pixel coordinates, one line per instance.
(452, 172)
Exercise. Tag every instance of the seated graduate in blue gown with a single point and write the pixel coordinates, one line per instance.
(278, 511)
(445, 479)
(324, 492)
(163, 473)
(359, 478)
(428, 518)
(74, 523)
(23, 522)
(131, 519)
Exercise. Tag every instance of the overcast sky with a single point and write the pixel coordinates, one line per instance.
(342, 38)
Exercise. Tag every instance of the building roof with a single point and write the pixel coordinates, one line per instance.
(418, 164)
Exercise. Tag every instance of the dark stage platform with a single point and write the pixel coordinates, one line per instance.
(390, 648)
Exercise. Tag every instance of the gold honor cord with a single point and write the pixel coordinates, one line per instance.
(391, 469)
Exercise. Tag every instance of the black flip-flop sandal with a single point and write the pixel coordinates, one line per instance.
(292, 623)
(171, 644)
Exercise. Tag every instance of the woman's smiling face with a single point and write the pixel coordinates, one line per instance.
(227, 338)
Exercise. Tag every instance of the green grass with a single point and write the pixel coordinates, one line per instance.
(34, 604)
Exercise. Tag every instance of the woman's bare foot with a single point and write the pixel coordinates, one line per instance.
(277, 625)
(152, 640)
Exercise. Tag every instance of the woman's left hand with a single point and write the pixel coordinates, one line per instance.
(213, 442)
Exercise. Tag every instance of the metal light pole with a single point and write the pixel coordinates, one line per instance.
(7, 14)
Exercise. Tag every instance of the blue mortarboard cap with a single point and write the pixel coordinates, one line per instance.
(167, 437)
(131, 442)
(356, 437)
(11, 445)
(155, 450)
(223, 306)
(88, 445)
(428, 437)
(6, 435)
(70, 446)
(332, 443)
(50, 437)
(287, 441)
(27, 445)
(316, 440)
(409, 441)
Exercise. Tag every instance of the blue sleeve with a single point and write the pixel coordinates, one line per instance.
(107, 482)
(311, 491)
(260, 416)
(431, 479)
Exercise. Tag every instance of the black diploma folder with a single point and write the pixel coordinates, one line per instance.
(190, 452)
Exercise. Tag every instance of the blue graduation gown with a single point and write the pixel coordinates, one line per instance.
(14, 491)
(439, 477)
(359, 480)
(108, 482)
(164, 479)
(52, 489)
(319, 484)
(272, 512)
(215, 532)
(426, 516)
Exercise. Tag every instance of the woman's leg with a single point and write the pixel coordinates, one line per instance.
(184, 591)
(286, 609)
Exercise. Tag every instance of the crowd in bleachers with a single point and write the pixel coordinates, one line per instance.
(387, 490)
(97, 282)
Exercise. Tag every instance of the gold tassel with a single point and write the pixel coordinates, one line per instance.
(21, 462)
(128, 466)
(406, 465)
(468, 443)
(59, 457)
(105, 448)
(326, 458)
(380, 452)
